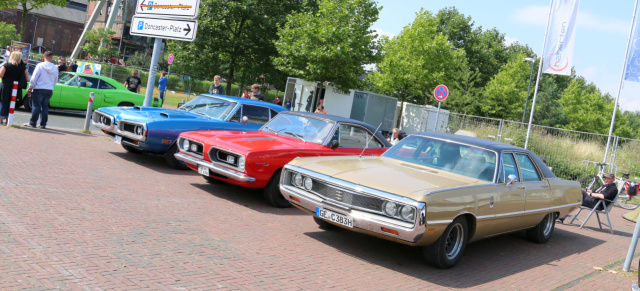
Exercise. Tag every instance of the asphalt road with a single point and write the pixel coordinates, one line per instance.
(61, 119)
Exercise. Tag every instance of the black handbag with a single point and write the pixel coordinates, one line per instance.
(22, 83)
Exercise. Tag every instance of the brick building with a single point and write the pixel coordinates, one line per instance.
(51, 27)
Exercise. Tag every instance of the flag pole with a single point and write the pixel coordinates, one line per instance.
(636, 231)
(624, 65)
(535, 91)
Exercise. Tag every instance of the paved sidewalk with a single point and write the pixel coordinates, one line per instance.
(79, 213)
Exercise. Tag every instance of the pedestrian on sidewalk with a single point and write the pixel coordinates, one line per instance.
(133, 82)
(10, 72)
(255, 92)
(162, 87)
(73, 67)
(45, 77)
(277, 101)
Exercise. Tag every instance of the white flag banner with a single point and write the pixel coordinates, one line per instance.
(558, 51)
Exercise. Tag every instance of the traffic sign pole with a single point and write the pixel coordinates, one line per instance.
(440, 93)
(151, 81)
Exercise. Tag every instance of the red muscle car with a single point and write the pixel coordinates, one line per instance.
(255, 159)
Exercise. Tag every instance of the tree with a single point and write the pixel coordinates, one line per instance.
(329, 44)
(416, 61)
(7, 34)
(585, 107)
(235, 40)
(548, 110)
(26, 6)
(505, 94)
(93, 40)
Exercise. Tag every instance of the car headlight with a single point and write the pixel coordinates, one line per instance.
(308, 184)
(185, 144)
(297, 180)
(139, 130)
(407, 213)
(194, 147)
(241, 162)
(390, 208)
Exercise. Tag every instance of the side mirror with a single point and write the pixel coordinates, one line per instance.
(245, 120)
(512, 179)
(334, 144)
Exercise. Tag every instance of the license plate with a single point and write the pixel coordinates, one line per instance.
(335, 217)
(117, 139)
(203, 171)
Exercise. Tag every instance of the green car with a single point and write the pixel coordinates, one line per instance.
(73, 89)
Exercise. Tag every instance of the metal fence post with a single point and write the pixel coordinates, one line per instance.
(500, 126)
(87, 120)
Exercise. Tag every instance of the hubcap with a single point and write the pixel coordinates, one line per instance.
(548, 227)
(453, 242)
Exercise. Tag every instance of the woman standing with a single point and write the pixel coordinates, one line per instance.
(10, 72)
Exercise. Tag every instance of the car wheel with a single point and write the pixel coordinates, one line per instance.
(26, 102)
(171, 159)
(447, 250)
(212, 180)
(131, 149)
(542, 232)
(323, 224)
(272, 192)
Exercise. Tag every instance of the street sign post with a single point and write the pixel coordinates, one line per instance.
(440, 93)
(178, 29)
(168, 8)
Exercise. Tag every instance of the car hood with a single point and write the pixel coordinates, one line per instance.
(385, 174)
(243, 142)
(147, 114)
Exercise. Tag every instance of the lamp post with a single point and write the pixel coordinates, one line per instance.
(532, 61)
(35, 27)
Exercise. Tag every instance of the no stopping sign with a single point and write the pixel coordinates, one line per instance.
(441, 92)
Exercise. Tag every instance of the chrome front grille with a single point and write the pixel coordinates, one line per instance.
(132, 130)
(347, 197)
(224, 157)
(199, 147)
(102, 121)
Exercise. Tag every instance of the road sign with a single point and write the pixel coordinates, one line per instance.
(170, 59)
(178, 29)
(171, 8)
(441, 92)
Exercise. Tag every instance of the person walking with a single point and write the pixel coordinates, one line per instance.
(162, 87)
(216, 88)
(44, 79)
(133, 82)
(9, 72)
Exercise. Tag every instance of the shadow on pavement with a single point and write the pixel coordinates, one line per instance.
(483, 261)
(249, 198)
(54, 131)
(152, 162)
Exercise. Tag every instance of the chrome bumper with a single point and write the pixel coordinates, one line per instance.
(361, 220)
(214, 167)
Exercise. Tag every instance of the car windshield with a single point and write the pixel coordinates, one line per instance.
(446, 156)
(65, 77)
(210, 106)
(301, 127)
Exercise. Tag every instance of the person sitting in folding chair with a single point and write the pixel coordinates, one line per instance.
(608, 192)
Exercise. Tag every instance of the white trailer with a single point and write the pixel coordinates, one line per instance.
(372, 108)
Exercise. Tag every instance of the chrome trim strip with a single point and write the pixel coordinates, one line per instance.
(361, 220)
(215, 167)
(100, 125)
(446, 221)
(528, 211)
(131, 135)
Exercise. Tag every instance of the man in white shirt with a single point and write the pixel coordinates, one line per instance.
(43, 80)
(7, 53)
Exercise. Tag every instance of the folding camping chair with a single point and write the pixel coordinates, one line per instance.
(605, 211)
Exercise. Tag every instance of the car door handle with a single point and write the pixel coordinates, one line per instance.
(521, 187)
(545, 186)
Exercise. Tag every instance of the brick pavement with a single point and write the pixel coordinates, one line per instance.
(79, 213)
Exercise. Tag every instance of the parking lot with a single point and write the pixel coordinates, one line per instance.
(77, 212)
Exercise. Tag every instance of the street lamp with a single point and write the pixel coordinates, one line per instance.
(532, 61)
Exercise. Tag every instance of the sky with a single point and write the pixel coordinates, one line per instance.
(602, 33)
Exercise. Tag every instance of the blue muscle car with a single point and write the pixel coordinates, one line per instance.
(155, 130)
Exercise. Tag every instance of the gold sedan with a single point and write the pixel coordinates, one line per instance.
(434, 190)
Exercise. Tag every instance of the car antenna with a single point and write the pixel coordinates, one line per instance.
(367, 144)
